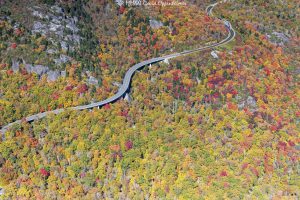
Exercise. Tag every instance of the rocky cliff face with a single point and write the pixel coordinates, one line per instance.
(43, 39)
(60, 28)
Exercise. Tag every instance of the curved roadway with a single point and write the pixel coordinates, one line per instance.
(127, 79)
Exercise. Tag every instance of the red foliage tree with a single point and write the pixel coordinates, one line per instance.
(55, 95)
(24, 88)
(44, 172)
(207, 18)
(18, 32)
(128, 144)
(82, 88)
(13, 45)
(254, 171)
(223, 173)
(69, 88)
(231, 106)
(106, 106)
(9, 72)
(122, 9)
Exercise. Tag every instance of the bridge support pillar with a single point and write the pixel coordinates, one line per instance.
(127, 97)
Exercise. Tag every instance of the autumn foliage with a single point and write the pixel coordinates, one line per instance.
(195, 128)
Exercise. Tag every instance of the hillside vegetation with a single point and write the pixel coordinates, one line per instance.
(197, 127)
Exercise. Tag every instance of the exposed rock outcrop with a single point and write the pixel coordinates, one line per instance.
(15, 66)
(40, 70)
(278, 38)
(53, 75)
(250, 102)
(92, 81)
(155, 24)
(57, 26)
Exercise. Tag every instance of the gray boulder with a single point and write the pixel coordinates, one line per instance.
(64, 45)
(62, 59)
(54, 27)
(72, 27)
(39, 15)
(117, 84)
(93, 81)
(249, 102)
(43, 133)
(119, 2)
(15, 66)
(278, 38)
(40, 69)
(55, 20)
(53, 75)
(57, 9)
(28, 68)
(155, 24)
(38, 27)
(281, 36)
(51, 51)
(63, 73)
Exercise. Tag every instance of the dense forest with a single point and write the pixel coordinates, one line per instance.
(198, 127)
